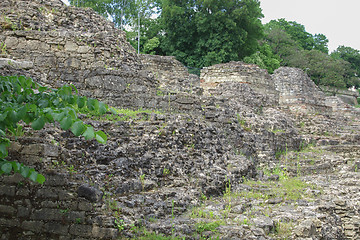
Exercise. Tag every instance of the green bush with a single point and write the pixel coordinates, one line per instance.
(23, 101)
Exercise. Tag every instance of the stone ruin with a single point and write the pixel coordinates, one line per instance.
(169, 72)
(206, 133)
(239, 72)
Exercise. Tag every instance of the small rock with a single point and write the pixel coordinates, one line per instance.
(264, 223)
(305, 229)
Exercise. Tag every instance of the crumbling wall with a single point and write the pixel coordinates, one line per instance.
(67, 45)
(62, 208)
(170, 73)
(347, 96)
(241, 73)
(298, 91)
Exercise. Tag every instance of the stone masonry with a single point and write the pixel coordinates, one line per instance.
(239, 72)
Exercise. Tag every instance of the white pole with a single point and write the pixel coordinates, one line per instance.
(139, 32)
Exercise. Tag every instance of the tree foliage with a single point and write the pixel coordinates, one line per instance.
(264, 58)
(24, 101)
(352, 56)
(297, 33)
(298, 48)
(205, 32)
(126, 14)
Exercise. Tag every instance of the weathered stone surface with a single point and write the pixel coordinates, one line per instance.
(298, 91)
(241, 73)
(170, 73)
(90, 193)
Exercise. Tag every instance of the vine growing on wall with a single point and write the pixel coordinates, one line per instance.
(23, 101)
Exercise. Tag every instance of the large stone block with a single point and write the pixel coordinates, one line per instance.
(6, 190)
(90, 193)
(35, 226)
(56, 228)
(7, 210)
(81, 230)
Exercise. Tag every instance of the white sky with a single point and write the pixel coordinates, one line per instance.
(337, 19)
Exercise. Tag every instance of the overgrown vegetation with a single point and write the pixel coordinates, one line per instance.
(24, 102)
(261, 194)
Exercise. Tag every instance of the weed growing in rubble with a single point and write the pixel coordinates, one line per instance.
(122, 114)
(141, 233)
(287, 188)
(201, 227)
(282, 230)
(3, 48)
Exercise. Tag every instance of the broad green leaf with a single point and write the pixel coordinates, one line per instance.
(113, 110)
(21, 113)
(66, 123)
(24, 171)
(6, 167)
(43, 103)
(72, 113)
(100, 137)
(59, 116)
(32, 108)
(89, 133)
(81, 101)
(16, 166)
(48, 114)
(93, 104)
(2, 133)
(71, 100)
(33, 175)
(78, 128)
(38, 123)
(102, 108)
(28, 118)
(3, 150)
(12, 116)
(40, 179)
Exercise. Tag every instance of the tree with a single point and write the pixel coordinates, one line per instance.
(352, 56)
(321, 68)
(281, 43)
(23, 100)
(129, 15)
(298, 33)
(321, 43)
(264, 58)
(121, 12)
(205, 32)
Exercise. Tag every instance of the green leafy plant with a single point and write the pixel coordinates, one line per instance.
(78, 220)
(23, 101)
(204, 226)
(3, 48)
(166, 172)
(119, 224)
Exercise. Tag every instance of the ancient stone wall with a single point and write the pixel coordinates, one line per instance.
(347, 96)
(298, 91)
(67, 45)
(241, 73)
(170, 73)
(63, 208)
